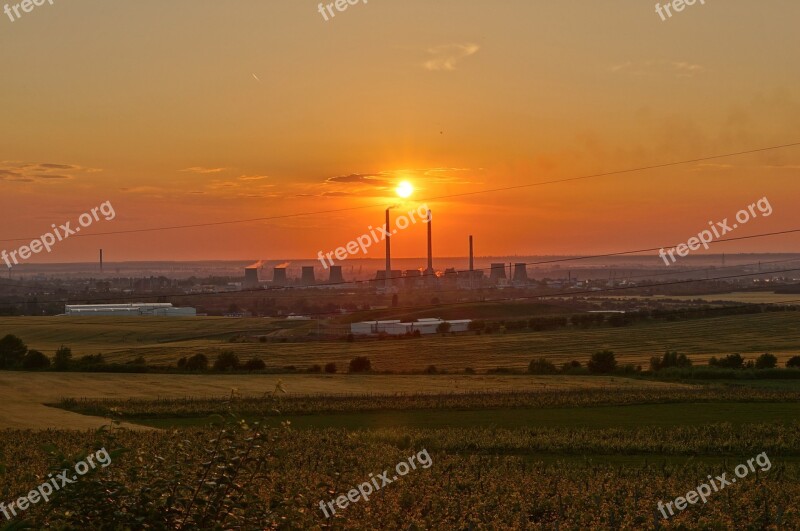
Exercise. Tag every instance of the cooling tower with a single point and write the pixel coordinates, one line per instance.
(520, 273)
(279, 276)
(336, 275)
(308, 276)
(251, 278)
(498, 272)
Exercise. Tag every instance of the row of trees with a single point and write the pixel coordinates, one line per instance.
(14, 354)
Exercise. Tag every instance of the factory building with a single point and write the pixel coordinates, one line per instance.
(396, 327)
(129, 310)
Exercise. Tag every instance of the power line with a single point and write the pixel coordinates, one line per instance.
(490, 190)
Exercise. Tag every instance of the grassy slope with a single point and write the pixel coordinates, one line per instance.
(166, 340)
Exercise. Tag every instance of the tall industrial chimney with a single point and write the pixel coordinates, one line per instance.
(471, 262)
(101, 260)
(430, 244)
(388, 252)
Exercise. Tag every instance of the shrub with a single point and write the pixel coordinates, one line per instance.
(330, 368)
(670, 359)
(62, 358)
(431, 369)
(35, 360)
(226, 361)
(315, 368)
(12, 350)
(97, 359)
(351, 338)
(360, 364)
(198, 362)
(766, 361)
(541, 366)
(731, 361)
(571, 366)
(469, 370)
(182, 363)
(138, 361)
(443, 327)
(476, 326)
(254, 364)
(794, 362)
(602, 362)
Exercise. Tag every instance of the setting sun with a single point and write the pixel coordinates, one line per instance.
(404, 189)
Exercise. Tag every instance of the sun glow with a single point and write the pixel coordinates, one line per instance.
(404, 189)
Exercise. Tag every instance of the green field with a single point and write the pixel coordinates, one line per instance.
(165, 340)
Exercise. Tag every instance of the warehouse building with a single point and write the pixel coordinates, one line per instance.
(397, 328)
(159, 309)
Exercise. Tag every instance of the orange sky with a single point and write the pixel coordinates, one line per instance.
(189, 112)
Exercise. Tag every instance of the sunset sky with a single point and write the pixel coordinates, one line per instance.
(186, 112)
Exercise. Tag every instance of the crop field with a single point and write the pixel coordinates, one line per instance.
(164, 341)
(545, 459)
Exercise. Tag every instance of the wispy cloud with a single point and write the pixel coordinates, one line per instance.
(201, 170)
(446, 57)
(374, 179)
(29, 172)
(653, 68)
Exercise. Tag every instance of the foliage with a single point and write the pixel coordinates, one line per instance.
(670, 359)
(254, 364)
(62, 358)
(794, 362)
(34, 360)
(766, 361)
(360, 364)
(226, 360)
(330, 368)
(731, 361)
(541, 366)
(12, 350)
(443, 327)
(602, 362)
(198, 362)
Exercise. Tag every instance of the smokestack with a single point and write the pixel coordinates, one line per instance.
(430, 244)
(471, 262)
(101, 260)
(388, 251)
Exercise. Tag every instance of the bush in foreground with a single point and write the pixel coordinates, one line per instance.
(766, 361)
